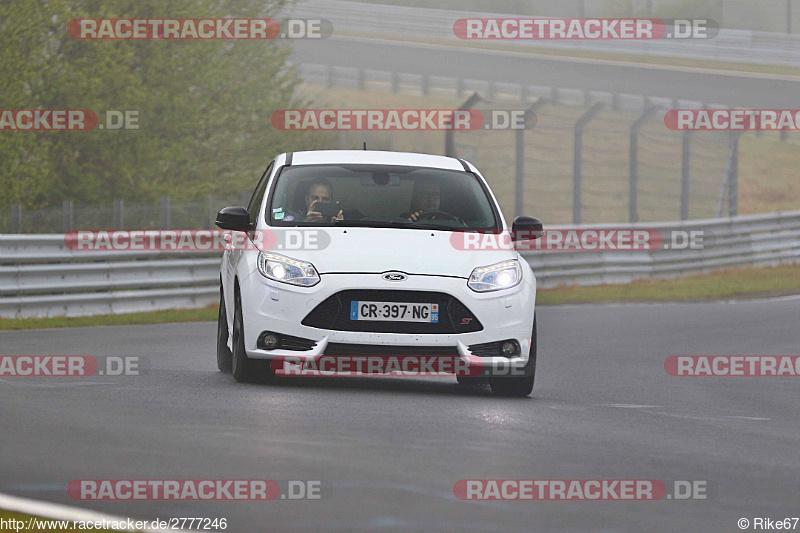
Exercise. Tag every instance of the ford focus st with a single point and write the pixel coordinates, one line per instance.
(366, 254)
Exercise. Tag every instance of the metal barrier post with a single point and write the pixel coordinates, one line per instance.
(633, 206)
(449, 142)
(66, 216)
(119, 215)
(686, 169)
(16, 218)
(166, 221)
(519, 199)
(582, 122)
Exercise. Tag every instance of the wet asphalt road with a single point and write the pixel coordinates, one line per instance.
(391, 449)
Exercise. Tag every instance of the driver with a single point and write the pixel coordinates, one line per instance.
(320, 191)
(428, 197)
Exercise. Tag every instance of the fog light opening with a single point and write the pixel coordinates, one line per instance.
(270, 341)
(510, 348)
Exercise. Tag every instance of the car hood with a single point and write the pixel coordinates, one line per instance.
(377, 250)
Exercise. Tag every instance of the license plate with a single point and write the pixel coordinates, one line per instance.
(394, 312)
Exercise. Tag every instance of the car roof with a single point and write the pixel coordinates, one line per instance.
(375, 157)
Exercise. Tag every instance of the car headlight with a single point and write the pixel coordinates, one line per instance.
(280, 268)
(495, 277)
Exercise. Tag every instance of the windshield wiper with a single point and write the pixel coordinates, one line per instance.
(372, 223)
(393, 224)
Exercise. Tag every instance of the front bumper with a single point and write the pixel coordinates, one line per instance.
(281, 308)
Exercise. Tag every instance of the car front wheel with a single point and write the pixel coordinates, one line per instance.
(244, 369)
(518, 386)
(224, 355)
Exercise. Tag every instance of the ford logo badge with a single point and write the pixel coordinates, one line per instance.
(395, 276)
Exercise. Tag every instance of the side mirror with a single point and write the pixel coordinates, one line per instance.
(234, 218)
(526, 228)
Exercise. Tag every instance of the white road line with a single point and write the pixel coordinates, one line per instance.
(59, 512)
(635, 406)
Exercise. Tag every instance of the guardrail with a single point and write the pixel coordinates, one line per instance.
(744, 241)
(41, 276)
(420, 84)
(386, 20)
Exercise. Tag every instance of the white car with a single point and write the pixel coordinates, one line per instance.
(360, 253)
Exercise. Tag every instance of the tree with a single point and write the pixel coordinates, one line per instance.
(203, 106)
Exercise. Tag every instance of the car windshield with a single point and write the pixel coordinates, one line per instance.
(380, 196)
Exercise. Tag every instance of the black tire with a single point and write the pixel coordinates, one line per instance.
(245, 370)
(519, 386)
(470, 382)
(224, 355)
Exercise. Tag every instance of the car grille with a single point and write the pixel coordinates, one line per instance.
(334, 313)
(335, 348)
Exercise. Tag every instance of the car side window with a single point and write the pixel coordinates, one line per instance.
(258, 195)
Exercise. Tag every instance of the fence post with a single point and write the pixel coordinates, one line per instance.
(519, 200)
(16, 218)
(329, 77)
(686, 169)
(633, 207)
(119, 216)
(582, 122)
(733, 182)
(730, 186)
(166, 221)
(449, 142)
(66, 216)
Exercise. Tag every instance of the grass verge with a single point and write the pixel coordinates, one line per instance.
(155, 317)
(728, 284)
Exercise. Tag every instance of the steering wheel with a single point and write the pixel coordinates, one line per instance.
(431, 214)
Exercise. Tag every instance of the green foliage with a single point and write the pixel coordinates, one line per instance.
(203, 106)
